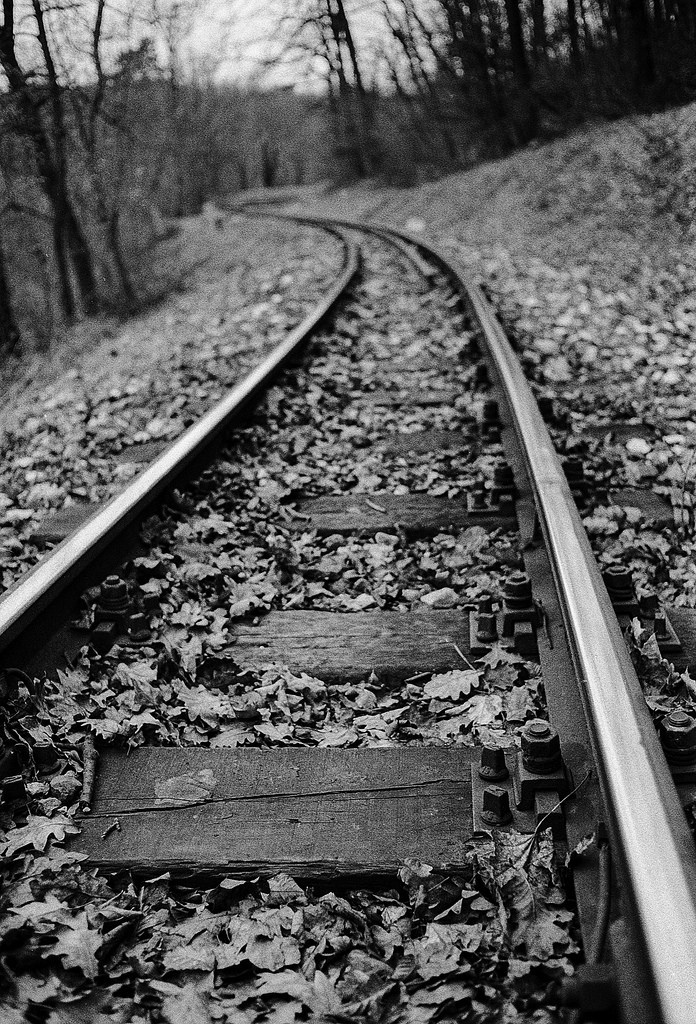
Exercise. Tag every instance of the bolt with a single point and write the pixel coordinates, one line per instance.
(518, 591)
(619, 582)
(13, 788)
(492, 766)
(138, 629)
(678, 736)
(546, 407)
(491, 413)
(649, 607)
(478, 495)
(482, 377)
(496, 806)
(503, 478)
(486, 628)
(541, 747)
(113, 595)
(574, 470)
(660, 625)
(206, 481)
(485, 605)
(506, 504)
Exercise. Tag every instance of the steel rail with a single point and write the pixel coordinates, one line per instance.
(656, 848)
(44, 584)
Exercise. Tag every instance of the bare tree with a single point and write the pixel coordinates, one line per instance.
(9, 332)
(49, 145)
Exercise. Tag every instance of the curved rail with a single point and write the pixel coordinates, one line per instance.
(45, 583)
(649, 827)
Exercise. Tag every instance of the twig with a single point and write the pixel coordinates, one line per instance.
(465, 660)
(374, 505)
(115, 826)
(535, 833)
(89, 766)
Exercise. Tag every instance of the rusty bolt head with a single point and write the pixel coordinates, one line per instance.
(486, 628)
(574, 469)
(138, 628)
(113, 594)
(546, 407)
(518, 591)
(13, 788)
(541, 747)
(482, 374)
(650, 606)
(492, 766)
(618, 579)
(678, 736)
(491, 412)
(485, 605)
(478, 495)
(496, 806)
(503, 476)
(206, 481)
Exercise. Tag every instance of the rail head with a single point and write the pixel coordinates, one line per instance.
(43, 585)
(648, 825)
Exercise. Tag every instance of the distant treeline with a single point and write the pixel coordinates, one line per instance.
(105, 130)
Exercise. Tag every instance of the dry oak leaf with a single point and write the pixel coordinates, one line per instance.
(37, 833)
(78, 945)
(188, 1006)
(183, 790)
(452, 685)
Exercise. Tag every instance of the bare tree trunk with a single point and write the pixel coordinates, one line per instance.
(9, 332)
(75, 241)
(68, 240)
(539, 35)
(520, 66)
(573, 34)
(645, 60)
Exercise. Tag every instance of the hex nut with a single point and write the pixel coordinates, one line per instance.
(113, 594)
(541, 747)
(618, 580)
(518, 591)
(678, 736)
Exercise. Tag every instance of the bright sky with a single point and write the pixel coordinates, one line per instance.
(243, 32)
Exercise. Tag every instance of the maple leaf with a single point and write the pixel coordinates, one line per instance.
(452, 685)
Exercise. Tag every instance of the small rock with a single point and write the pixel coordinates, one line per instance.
(445, 598)
(66, 787)
(637, 446)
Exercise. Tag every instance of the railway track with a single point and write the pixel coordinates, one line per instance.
(455, 429)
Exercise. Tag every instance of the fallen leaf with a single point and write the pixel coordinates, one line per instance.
(452, 685)
(185, 790)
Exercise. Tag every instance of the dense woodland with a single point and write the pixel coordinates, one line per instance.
(110, 125)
